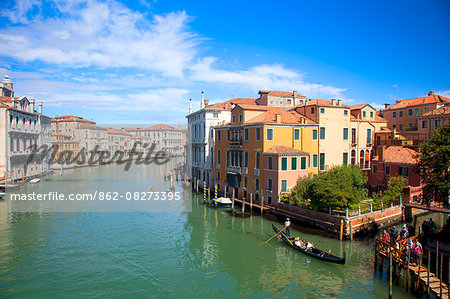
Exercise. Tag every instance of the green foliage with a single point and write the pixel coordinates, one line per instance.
(394, 191)
(433, 165)
(340, 187)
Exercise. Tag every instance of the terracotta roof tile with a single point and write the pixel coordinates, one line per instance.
(287, 116)
(360, 106)
(284, 150)
(430, 99)
(440, 111)
(116, 131)
(228, 105)
(400, 155)
(279, 93)
(71, 118)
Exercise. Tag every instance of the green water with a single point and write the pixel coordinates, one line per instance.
(203, 253)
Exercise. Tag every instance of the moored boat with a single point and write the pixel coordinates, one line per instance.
(317, 253)
(34, 181)
(222, 202)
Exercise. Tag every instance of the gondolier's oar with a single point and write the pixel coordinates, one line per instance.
(286, 237)
(273, 236)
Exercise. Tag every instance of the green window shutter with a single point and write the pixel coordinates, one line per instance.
(322, 161)
(294, 163)
(303, 163)
(345, 133)
(296, 134)
(314, 135)
(283, 163)
(345, 158)
(315, 160)
(322, 133)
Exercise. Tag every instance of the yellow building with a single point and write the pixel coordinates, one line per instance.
(263, 150)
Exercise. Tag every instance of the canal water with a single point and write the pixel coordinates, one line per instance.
(200, 252)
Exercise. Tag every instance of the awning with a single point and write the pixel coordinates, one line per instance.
(367, 156)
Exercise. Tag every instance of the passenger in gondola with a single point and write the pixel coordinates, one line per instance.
(297, 242)
(309, 246)
(287, 226)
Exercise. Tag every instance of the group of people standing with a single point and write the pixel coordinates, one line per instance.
(395, 238)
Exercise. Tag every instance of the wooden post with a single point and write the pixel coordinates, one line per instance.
(251, 202)
(407, 266)
(351, 230)
(428, 273)
(418, 272)
(197, 186)
(390, 275)
(232, 200)
(341, 235)
(437, 258)
(262, 204)
(243, 205)
(440, 276)
(209, 194)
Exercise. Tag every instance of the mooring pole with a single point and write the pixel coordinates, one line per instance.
(407, 266)
(243, 205)
(251, 202)
(390, 275)
(341, 235)
(262, 204)
(440, 276)
(428, 273)
(351, 230)
(437, 258)
(204, 191)
(232, 200)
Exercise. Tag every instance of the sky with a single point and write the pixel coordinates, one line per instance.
(141, 61)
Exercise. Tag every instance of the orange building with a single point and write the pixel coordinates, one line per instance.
(263, 151)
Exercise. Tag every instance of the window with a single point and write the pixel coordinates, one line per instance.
(424, 124)
(312, 110)
(409, 112)
(296, 134)
(322, 161)
(281, 102)
(218, 175)
(215, 115)
(371, 113)
(257, 184)
(322, 110)
(345, 158)
(387, 170)
(322, 133)
(314, 134)
(284, 163)
(245, 182)
(302, 163)
(218, 156)
(375, 168)
(354, 135)
(269, 184)
(269, 163)
(228, 135)
(246, 159)
(246, 134)
(257, 160)
(233, 119)
(240, 117)
(394, 114)
(364, 114)
(314, 160)
(271, 102)
(345, 133)
(294, 163)
(369, 136)
(400, 114)
(345, 112)
(400, 127)
(11, 144)
(353, 157)
(283, 185)
(258, 133)
(426, 110)
(416, 111)
(437, 123)
(269, 134)
(403, 171)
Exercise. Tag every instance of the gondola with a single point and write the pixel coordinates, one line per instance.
(317, 253)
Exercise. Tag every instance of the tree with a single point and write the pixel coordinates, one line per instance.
(395, 188)
(340, 187)
(434, 164)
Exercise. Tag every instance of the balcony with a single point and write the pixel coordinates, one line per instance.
(235, 142)
(256, 171)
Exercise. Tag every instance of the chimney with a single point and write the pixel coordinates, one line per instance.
(386, 105)
(40, 107)
(278, 118)
(32, 101)
(206, 102)
(333, 102)
(190, 106)
(380, 151)
(202, 101)
(339, 103)
(430, 93)
(294, 93)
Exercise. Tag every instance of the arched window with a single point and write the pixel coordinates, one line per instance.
(367, 159)
(353, 157)
(257, 160)
(361, 158)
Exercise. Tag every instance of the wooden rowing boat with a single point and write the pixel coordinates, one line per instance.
(317, 253)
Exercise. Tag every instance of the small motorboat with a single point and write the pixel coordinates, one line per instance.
(224, 202)
(34, 181)
(315, 252)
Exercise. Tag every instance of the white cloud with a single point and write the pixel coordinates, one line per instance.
(444, 93)
(274, 76)
(100, 34)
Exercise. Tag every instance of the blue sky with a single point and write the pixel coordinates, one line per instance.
(140, 61)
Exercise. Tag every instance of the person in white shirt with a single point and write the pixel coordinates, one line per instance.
(287, 225)
(309, 246)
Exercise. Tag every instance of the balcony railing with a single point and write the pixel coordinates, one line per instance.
(235, 142)
(236, 169)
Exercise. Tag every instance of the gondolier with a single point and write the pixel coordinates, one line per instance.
(287, 225)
